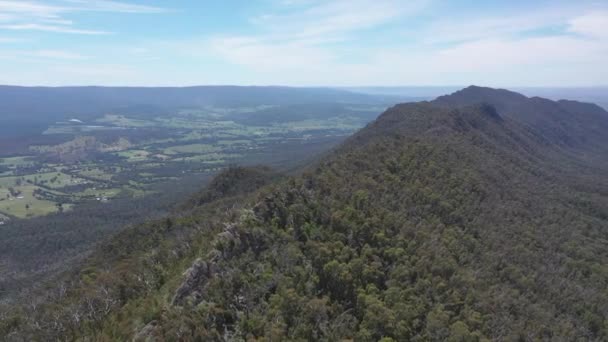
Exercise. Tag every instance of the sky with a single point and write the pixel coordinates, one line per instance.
(304, 42)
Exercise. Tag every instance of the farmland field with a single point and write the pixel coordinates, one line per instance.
(124, 155)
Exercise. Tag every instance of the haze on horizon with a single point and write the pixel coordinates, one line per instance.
(304, 43)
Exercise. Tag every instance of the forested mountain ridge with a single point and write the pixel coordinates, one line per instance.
(232, 182)
(567, 123)
(445, 220)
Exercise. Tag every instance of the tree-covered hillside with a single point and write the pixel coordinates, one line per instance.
(439, 221)
(565, 123)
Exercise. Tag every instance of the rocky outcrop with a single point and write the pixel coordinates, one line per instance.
(146, 334)
(192, 288)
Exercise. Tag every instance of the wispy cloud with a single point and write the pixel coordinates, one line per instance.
(594, 25)
(58, 54)
(314, 18)
(298, 33)
(42, 55)
(28, 15)
(5, 40)
(478, 27)
(75, 73)
(36, 9)
(51, 28)
(317, 43)
(113, 6)
(320, 42)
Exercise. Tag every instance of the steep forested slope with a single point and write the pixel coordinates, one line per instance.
(566, 123)
(436, 222)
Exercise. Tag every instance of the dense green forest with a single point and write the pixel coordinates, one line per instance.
(117, 162)
(461, 219)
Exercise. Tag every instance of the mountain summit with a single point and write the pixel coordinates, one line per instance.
(474, 217)
(567, 123)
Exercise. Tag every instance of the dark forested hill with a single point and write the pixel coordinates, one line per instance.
(478, 216)
(566, 123)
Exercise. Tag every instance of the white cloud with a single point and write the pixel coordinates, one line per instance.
(36, 16)
(58, 54)
(479, 27)
(116, 73)
(298, 37)
(51, 28)
(495, 54)
(113, 6)
(593, 25)
(46, 54)
(14, 10)
(331, 42)
(75, 73)
(4, 40)
(268, 56)
(334, 17)
(557, 45)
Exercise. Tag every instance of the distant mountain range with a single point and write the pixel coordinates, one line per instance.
(481, 215)
(597, 95)
(31, 109)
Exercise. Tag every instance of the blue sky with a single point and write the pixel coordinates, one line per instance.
(304, 42)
